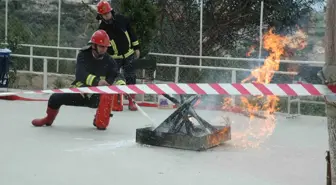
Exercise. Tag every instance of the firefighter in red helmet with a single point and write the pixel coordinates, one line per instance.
(124, 43)
(94, 67)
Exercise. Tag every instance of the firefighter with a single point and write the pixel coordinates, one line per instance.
(94, 67)
(124, 44)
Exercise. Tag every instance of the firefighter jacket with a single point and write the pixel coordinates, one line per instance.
(122, 37)
(89, 70)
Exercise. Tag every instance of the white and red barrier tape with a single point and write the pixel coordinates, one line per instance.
(199, 88)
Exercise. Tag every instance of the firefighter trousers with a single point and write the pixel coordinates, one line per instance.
(70, 99)
(129, 71)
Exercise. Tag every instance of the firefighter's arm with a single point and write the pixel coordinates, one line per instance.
(133, 37)
(81, 73)
(113, 75)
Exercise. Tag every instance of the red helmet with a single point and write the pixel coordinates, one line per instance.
(100, 37)
(103, 7)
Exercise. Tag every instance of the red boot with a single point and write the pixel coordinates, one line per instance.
(131, 105)
(117, 103)
(48, 120)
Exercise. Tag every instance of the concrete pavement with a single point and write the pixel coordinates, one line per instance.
(73, 152)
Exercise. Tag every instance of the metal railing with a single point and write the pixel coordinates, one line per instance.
(177, 67)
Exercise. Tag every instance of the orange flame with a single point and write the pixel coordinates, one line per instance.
(276, 45)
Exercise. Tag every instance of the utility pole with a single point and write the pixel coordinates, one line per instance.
(261, 25)
(328, 76)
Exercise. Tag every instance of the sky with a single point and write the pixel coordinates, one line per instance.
(319, 6)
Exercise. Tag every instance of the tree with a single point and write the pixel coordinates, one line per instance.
(18, 33)
(225, 23)
(143, 16)
(164, 26)
(229, 28)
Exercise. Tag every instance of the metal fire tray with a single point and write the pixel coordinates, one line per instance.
(184, 129)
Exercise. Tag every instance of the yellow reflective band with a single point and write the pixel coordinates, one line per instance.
(128, 38)
(135, 43)
(89, 79)
(114, 47)
(129, 53)
(78, 84)
(120, 82)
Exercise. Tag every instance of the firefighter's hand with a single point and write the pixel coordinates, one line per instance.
(103, 83)
(120, 82)
(137, 54)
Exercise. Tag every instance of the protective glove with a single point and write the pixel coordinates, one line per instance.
(120, 82)
(103, 83)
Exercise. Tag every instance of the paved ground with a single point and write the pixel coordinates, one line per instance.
(73, 152)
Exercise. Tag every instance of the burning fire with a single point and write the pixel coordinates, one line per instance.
(277, 46)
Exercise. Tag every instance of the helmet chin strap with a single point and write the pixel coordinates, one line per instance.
(96, 54)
